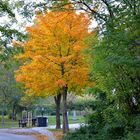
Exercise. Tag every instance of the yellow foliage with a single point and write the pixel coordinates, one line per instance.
(54, 53)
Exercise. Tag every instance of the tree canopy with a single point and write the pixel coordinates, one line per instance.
(53, 53)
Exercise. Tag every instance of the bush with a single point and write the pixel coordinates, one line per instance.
(83, 133)
(108, 123)
(107, 129)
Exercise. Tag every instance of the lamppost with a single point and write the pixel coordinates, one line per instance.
(42, 111)
(36, 111)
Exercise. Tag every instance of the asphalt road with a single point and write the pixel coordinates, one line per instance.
(7, 136)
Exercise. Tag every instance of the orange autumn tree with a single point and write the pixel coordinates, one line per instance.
(53, 56)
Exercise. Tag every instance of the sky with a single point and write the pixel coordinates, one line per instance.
(21, 22)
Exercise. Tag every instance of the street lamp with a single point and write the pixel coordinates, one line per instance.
(42, 111)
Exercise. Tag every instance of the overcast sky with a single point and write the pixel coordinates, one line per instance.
(22, 22)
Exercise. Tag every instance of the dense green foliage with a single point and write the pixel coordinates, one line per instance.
(10, 91)
(116, 72)
(107, 123)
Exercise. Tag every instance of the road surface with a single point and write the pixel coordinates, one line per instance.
(8, 136)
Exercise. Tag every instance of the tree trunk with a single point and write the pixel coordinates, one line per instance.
(65, 117)
(58, 119)
(13, 113)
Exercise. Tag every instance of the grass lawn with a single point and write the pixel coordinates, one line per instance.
(51, 121)
(8, 123)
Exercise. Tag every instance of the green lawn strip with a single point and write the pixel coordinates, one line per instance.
(51, 121)
(9, 124)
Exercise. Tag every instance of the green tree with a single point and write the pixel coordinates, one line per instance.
(116, 74)
(10, 91)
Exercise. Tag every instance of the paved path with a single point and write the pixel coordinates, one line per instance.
(44, 131)
(8, 136)
(11, 134)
